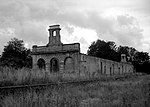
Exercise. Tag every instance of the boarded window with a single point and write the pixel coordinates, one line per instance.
(104, 69)
(110, 71)
(68, 64)
(41, 63)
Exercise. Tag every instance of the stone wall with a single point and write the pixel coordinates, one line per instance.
(98, 65)
(56, 48)
(70, 60)
(62, 59)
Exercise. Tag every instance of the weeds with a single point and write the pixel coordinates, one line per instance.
(13, 77)
(126, 91)
(89, 95)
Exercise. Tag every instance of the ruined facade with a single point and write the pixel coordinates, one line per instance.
(66, 58)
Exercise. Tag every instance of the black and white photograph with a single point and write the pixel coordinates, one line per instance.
(74, 53)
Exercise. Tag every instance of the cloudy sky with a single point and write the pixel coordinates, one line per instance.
(126, 22)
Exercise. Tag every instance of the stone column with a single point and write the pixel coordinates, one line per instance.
(47, 67)
(34, 66)
(34, 62)
(61, 66)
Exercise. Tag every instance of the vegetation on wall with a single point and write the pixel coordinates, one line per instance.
(109, 50)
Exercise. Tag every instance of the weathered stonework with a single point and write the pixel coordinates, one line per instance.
(61, 58)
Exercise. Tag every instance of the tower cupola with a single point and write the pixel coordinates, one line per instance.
(54, 35)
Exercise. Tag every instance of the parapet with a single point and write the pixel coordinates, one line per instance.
(56, 49)
(54, 27)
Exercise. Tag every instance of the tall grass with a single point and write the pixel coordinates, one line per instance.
(11, 77)
(128, 91)
(96, 94)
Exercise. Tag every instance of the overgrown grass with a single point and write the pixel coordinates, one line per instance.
(128, 90)
(97, 94)
(13, 77)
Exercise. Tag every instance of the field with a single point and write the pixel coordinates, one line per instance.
(13, 77)
(131, 91)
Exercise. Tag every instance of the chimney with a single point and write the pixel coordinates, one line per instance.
(123, 58)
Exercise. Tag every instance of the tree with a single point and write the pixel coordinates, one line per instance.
(102, 49)
(108, 50)
(129, 51)
(112, 45)
(141, 57)
(141, 62)
(16, 55)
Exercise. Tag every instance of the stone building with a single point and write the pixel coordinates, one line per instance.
(66, 58)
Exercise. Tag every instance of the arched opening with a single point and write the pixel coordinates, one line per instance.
(54, 33)
(54, 65)
(41, 63)
(68, 65)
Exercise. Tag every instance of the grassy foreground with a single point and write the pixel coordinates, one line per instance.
(99, 94)
(128, 92)
(13, 77)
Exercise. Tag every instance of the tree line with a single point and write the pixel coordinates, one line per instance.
(109, 50)
(16, 55)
